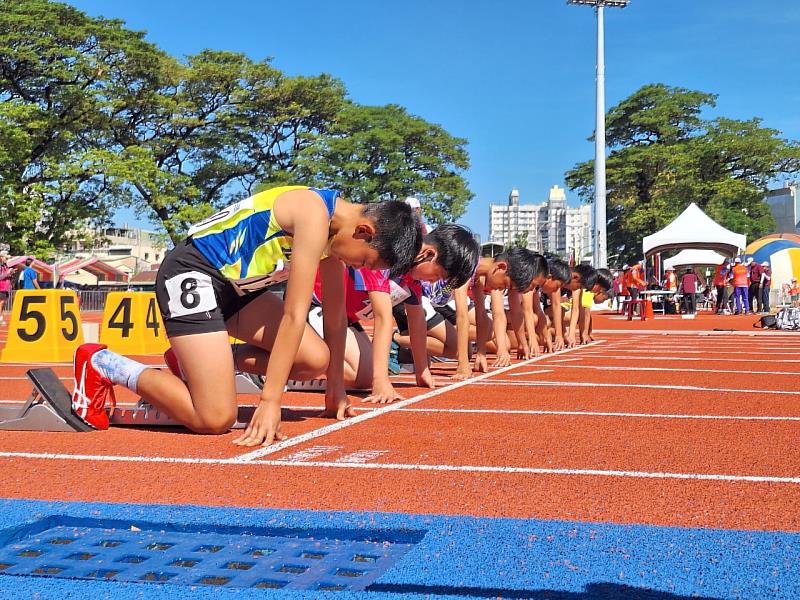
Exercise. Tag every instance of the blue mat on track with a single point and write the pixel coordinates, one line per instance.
(65, 550)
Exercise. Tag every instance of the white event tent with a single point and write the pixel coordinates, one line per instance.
(694, 229)
(694, 258)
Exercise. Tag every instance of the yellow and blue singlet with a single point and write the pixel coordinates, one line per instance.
(244, 240)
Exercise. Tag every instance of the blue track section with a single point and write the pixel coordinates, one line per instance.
(451, 557)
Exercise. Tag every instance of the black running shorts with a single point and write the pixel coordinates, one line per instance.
(193, 296)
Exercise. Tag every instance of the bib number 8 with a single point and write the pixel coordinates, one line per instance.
(190, 293)
(189, 297)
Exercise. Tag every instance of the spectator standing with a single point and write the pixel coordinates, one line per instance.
(30, 280)
(740, 286)
(671, 280)
(6, 277)
(753, 291)
(688, 287)
(766, 284)
(632, 280)
(616, 286)
(721, 277)
(794, 293)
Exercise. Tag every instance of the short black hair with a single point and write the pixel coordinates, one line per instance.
(605, 279)
(457, 252)
(522, 265)
(560, 271)
(586, 275)
(28, 261)
(398, 234)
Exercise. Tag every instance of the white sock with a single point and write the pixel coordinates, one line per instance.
(119, 369)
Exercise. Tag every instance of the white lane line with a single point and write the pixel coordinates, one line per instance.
(680, 351)
(563, 360)
(589, 413)
(692, 388)
(618, 368)
(311, 453)
(300, 439)
(361, 456)
(569, 413)
(406, 467)
(704, 359)
(537, 372)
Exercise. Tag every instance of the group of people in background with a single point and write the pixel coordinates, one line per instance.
(749, 283)
(738, 286)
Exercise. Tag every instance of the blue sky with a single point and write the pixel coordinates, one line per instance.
(516, 78)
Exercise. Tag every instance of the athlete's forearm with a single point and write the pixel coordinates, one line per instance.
(499, 322)
(381, 336)
(462, 328)
(417, 331)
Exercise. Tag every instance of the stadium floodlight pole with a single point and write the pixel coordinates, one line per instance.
(600, 249)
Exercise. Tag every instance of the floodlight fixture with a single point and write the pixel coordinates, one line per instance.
(608, 3)
(599, 248)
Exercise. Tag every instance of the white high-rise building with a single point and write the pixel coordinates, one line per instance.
(551, 227)
(784, 202)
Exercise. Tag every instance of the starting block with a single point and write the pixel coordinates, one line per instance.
(313, 385)
(49, 407)
(145, 414)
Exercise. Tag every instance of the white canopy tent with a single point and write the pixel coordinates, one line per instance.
(694, 229)
(694, 258)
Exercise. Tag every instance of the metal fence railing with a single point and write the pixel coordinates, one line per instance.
(89, 300)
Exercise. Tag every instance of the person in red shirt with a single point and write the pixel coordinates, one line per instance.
(721, 277)
(6, 277)
(753, 292)
(690, 284)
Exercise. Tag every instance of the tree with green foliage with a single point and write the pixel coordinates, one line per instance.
(94, 118)
(61, 74)
(664, 156)
(520, 240)
(219, 126)
(374, 153)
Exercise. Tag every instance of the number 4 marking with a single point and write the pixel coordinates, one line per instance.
(151, 322)
(125, 324)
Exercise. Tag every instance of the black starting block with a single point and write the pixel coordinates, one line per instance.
(49, 407)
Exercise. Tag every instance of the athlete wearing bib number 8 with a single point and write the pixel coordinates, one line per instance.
(215, 284)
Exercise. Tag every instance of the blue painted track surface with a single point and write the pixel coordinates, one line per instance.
(466, 557)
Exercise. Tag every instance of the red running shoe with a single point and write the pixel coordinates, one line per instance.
(173, 365)
(92, 390)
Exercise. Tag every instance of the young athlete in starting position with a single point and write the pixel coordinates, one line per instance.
(214, 285)
(448, 255)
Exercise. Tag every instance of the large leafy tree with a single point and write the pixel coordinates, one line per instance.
(61, 74)
(218, 125)
(664, 156)
(93, 117)
(374, 153)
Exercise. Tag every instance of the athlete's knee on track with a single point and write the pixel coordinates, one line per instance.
(218, 422)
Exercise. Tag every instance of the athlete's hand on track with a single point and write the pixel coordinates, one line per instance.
(462, 373)
(337, 405)
(559, 344)
(569, 341)
(383, 392)
(481, 366)
(528, 352)
(503, 359)
(425, 379)
(264, 427)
